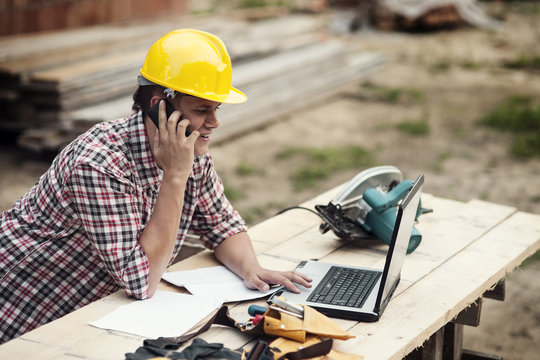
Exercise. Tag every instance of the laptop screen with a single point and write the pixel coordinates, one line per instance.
(407, 213)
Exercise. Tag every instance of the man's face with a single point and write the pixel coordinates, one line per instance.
(202, 116)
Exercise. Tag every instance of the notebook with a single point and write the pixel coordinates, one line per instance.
(376, 286)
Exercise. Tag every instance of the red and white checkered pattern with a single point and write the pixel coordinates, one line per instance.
(73, 238)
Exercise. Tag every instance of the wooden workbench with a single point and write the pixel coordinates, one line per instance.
(467, 249)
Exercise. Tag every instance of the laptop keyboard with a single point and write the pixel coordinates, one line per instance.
(345, 287)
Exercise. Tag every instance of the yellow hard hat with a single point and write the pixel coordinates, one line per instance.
(193, 62)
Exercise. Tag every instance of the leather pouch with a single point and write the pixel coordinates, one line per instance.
(313, 348)
(274, 323)
(278, 323)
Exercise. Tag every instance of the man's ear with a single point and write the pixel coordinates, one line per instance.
(155, 99)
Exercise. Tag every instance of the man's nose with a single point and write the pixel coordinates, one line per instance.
(212, 120)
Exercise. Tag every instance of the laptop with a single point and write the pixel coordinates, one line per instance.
(370, 290)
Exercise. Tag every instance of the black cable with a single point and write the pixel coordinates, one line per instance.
(299, 207)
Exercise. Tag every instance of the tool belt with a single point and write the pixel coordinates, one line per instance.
(281, 336)
(278, 323)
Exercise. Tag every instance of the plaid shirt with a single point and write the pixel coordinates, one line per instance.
(73, 238)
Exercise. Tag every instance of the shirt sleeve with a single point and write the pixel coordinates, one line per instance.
(215, 219)
(109, 209)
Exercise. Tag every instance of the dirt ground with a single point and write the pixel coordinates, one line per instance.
(449, 79)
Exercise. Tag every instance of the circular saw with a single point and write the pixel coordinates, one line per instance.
(366, 207)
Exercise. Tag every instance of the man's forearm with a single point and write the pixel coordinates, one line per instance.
(159, 236)
(237, 254)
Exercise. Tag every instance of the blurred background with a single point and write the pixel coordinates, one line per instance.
(450, 88)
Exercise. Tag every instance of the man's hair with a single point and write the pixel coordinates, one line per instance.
(143, 95)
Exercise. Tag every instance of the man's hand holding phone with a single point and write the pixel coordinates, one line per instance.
(173, 149)
(169, 109)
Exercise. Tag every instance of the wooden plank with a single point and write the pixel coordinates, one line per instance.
(453, 234)
(308, 245)
(289, 62)
(453, 341)
(416, 314)
(67, 95)
(470, 316)
(113, 75)
(28, 45)
(21, 350)
(275, 230)
(63, 78)
(65, 51)
(416, 267)
(84, 117)
(410, 317)
(79, 337)
(78, 116)
(439, 242)
(325, 197)
(24, 67)
(497, 292)
(53, 92)
(277, 263)
(283, 227)
(79, 73)
(265, 108)
(203, 259)
(24, 55)
(279, 34)
(114, 344)
(431, 349)
(370, 253)
(234, 119)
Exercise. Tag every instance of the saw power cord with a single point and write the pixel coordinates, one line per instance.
(301, 208)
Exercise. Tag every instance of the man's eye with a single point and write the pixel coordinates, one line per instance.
(206, 111)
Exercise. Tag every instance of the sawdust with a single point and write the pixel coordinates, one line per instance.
(459, 78)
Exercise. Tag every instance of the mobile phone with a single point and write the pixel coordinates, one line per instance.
(169, 109)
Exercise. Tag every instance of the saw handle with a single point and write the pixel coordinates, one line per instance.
(382, 202)
(382, 218)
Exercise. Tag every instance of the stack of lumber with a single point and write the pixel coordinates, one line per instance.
(415, 15)
(279, 84)
(431, 15)
(55, 86)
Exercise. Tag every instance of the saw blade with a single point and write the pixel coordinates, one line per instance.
(384, 178)
(346, 213)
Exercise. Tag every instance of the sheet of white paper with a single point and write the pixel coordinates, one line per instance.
(166, 314)
(216, 281)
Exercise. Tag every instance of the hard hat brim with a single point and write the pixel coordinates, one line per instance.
(235, 97)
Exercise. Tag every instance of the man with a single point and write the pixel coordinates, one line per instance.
(116, 204)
